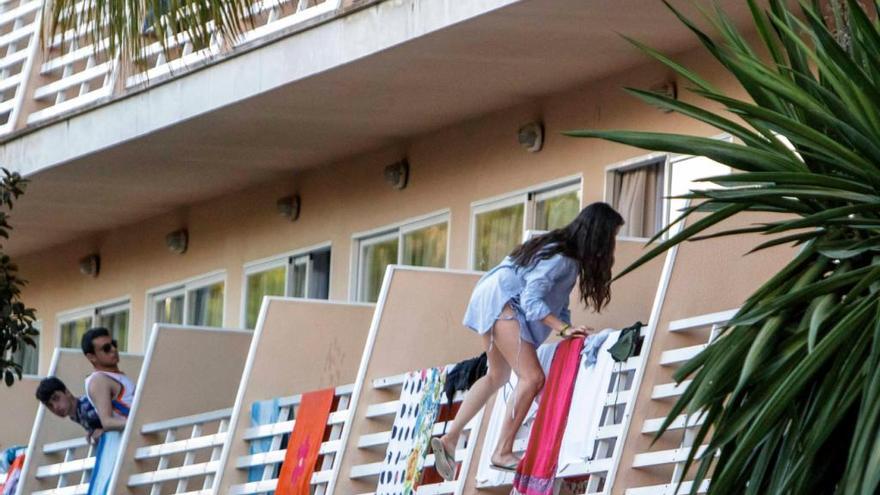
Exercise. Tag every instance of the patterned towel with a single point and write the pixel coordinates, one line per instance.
(411, 432)
(13, 475)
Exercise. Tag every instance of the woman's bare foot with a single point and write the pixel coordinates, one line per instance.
(507, 460)
(448, 444)
(444, 457)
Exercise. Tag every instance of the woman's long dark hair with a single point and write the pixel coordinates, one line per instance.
(589, 240)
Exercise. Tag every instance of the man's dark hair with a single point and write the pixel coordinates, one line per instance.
(49, 386)
(87, 343)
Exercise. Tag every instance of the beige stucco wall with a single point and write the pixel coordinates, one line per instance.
(301, 347)
(190, 370)
(18, 402)
(72, 368)
(450, 169)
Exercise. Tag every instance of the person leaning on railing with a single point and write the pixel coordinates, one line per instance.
(516, 306)
(60, 401)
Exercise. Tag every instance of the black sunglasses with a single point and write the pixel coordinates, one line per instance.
(108, 347)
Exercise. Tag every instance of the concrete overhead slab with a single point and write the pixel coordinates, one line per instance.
(367, 80)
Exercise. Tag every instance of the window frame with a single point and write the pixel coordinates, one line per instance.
(669, 160)
(664, 160)
(287, 260)
(184, 287)
(93, 311)
(528, 197)
(393, 231)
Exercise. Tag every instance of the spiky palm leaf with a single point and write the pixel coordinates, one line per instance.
(791, 390)
(125, 27)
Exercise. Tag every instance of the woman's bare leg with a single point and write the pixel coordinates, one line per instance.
(508, 351)
(497, 375)
(523, 358)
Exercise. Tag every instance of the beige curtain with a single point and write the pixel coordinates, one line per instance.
(636, 198)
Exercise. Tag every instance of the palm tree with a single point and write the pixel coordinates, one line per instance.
(791, 389)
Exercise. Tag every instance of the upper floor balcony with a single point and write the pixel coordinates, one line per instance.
(310, 83)
(74, 71)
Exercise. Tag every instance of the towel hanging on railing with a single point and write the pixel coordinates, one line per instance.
(305, 442)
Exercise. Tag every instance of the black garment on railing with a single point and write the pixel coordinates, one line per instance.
(463, 375)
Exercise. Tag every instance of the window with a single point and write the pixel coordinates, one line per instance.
(302, 274)
(501, 225)
(644, 191)
(115, 317)
(637, 194)
(204, 305)
(195, 302)
(28, 357)
(416, 243)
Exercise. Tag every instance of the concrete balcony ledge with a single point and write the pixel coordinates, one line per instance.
(259, 66)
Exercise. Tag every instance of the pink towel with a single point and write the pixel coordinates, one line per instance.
(536, 472)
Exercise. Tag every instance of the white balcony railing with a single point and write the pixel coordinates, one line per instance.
(270, 461)
(386, 411)
(75, 70)
(616, 386)
(70, 475)
(188, 455)
(19, 20)
(704, 325)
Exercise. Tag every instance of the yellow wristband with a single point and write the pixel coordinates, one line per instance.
(562, 330)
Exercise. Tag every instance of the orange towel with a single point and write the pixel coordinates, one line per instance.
(305, 440)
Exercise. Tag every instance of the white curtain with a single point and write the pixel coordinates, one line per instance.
(637, 199)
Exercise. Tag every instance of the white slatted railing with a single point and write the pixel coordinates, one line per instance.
(181, 52)
(19, 21)
(270, 461)
(608, 444)
(272, 16)
(617, 394)
(699, 327)
(76, 72)
(70, 475)
(268, 16)
(187, 457)
(385, 412)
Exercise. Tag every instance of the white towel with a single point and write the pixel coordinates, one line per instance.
(587, 402)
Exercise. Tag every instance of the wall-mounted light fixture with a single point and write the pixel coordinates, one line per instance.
(668, 89)
(289, 207)
(531, 136)
(178, 241)
(397, 174)
(90, 265)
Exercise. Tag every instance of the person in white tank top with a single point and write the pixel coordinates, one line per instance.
(109, 390)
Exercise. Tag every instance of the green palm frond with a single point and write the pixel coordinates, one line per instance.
(126, 27)
(791, 389)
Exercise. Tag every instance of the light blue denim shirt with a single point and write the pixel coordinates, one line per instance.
(535, 291)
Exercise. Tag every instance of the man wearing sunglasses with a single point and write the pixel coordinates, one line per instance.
(107, 388)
